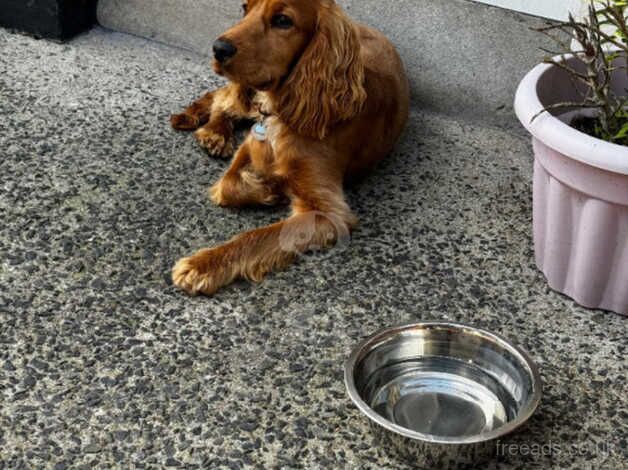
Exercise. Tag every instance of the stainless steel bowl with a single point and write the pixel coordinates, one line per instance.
(442, 393)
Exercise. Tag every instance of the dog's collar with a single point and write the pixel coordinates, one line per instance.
(259, 131)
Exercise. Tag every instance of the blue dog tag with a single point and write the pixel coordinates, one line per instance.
(259, 131)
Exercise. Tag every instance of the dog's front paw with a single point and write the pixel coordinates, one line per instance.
(247, 188)
(201, 273)
(184, 122)
(216, 194)
(216, 143)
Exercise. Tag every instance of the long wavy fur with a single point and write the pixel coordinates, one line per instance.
(327, 85)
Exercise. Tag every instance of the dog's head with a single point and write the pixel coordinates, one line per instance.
(305, 53)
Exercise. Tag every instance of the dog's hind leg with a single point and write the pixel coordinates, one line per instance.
(253, 254)
(320, 219)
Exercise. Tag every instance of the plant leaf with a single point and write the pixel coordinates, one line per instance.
(623, 132)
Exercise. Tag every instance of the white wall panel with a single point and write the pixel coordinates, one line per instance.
(555, 9)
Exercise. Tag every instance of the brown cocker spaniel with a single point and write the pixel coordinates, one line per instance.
(330, 97)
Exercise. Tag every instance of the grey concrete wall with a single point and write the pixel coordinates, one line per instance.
(463, 58)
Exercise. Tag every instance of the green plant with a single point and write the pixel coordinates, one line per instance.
(602, 49)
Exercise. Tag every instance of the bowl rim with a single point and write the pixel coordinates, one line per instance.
(385, 333)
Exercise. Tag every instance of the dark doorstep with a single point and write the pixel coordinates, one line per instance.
(54, 19)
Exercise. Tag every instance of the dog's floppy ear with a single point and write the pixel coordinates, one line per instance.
(327, 84)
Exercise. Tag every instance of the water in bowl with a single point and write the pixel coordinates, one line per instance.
(441, 397)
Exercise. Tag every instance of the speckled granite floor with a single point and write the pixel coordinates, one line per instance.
(103, 363)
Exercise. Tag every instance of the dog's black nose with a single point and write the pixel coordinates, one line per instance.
(223, 50)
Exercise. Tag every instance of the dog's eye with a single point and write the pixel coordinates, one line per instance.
(281, 22)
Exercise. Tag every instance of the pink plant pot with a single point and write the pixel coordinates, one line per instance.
(580, 194)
